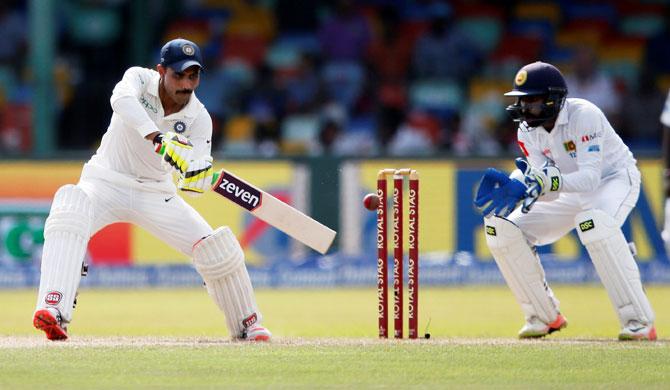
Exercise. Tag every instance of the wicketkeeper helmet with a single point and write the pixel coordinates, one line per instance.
(538, 79)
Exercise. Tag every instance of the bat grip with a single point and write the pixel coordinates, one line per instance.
(160, 149)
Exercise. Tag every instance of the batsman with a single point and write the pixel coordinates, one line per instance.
(577, 174)
(127, 181)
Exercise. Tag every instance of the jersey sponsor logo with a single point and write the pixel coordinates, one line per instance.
(236, 190)
(53, 298)
(555, 183)
(148, 105)
(586, 225)
(490, 230)
(179, 127)
(523, 148)
(589, 137)
(594, 148)
(247, 322)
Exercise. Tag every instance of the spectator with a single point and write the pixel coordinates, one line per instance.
(419, 134)
(588, 82)
(303, 86)
(444, 51)
(657, 51)
(14, 37)
(346, 35)
(389, 58)
(640, 117)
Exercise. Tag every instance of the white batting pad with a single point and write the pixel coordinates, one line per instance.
(220, 261)
(612, 259)
(66, 234)
(521, 269)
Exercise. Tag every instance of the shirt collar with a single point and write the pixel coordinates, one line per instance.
(562, 118)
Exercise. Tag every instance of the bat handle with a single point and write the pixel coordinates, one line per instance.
(160, 149)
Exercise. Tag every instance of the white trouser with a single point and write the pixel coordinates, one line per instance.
(165, 215)
(548, 221)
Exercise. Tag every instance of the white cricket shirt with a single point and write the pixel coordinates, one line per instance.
(124, 155)
(582, 144)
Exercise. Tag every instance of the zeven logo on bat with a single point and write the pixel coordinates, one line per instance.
(240, 192)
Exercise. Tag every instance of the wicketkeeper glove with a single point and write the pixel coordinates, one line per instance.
(540, 182)
(198, 177)
(176, 150)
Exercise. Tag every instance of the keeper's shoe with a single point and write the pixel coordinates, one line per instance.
(535, 328)
(50, 323)
(256, 333)
(635, 330)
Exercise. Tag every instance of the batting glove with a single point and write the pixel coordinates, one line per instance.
(176, 150)
(198, 177)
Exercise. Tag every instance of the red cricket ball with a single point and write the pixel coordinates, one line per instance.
(371, 201)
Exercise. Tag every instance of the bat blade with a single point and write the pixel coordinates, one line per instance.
(273, 211)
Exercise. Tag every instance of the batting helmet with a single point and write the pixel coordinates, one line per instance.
(537, 79)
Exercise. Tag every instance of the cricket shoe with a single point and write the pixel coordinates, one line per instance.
(49, 321)
(535, 328)
(635, 330)
(256, 333)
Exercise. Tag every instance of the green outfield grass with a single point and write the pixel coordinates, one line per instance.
(327, 339)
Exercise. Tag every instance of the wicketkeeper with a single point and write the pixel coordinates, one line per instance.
(127, 181)
(577, 174)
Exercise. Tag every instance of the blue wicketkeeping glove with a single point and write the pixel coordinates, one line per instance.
(498, 194)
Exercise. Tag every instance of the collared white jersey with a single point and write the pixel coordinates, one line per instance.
(582, 144)
(125, 151)
(665, 115)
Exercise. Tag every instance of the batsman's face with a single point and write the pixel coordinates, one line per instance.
(180, 85)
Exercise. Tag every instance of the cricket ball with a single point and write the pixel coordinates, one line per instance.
(371, 201)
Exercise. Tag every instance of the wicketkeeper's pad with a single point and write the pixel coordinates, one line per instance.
(614, 262)
(521, 268)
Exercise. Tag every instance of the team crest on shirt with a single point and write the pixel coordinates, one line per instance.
(179, 127)
(571, 148)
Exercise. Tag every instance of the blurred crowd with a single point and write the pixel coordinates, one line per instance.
(351, 78)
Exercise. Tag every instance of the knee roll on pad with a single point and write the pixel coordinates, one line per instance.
(521, 269)
(71, 212)
(218, 255)
(614, 262)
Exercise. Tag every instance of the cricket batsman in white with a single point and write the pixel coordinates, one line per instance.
(127, 181)
(577, 174)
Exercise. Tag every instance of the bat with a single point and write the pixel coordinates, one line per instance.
(273, 211)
